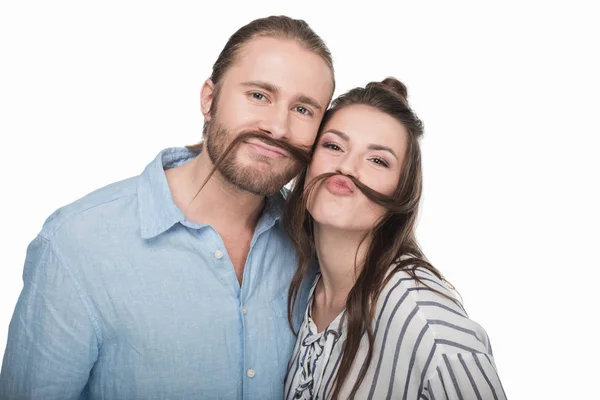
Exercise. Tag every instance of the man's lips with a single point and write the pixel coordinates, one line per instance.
(340, 185)
(268, 150)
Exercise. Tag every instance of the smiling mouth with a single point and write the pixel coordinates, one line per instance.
(269, 151)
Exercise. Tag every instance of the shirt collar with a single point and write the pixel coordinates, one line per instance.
(157, 210)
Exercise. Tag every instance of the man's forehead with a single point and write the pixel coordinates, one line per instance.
(285, 64)
(260, 45)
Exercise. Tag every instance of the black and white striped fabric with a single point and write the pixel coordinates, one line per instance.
(426, 347)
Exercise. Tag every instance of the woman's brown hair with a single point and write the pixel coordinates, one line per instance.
(392, 240)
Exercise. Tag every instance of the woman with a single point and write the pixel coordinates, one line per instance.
(381, 321)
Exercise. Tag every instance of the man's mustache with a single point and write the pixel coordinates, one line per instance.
(302, 156)
(297, 153)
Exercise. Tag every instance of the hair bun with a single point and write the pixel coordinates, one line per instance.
(398, 87)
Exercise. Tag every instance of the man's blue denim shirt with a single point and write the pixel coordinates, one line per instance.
(124, 298)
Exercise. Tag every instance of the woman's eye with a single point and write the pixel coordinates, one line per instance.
(381, 162)
(332, 146)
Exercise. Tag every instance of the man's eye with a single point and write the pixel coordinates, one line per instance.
(258, 96)
(303, 110)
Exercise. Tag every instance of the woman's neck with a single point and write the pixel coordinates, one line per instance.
(341, 255)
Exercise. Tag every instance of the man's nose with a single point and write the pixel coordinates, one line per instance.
(276, 122)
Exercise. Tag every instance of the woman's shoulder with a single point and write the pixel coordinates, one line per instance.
(421, 282)
(419, 300)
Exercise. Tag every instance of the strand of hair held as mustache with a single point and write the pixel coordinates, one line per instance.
(388, 202)
(297, 153)
(304, 157)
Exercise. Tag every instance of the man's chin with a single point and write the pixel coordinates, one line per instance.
(263, 168)
(258, 189)
(268, 169)
(254, 181)
(261, 162)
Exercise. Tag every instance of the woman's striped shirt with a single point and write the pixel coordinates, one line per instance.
(426, 347)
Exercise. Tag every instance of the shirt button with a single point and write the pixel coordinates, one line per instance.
(244, 310)
(251, 373)
(218, 254)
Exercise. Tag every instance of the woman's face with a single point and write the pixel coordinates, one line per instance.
(366, 143)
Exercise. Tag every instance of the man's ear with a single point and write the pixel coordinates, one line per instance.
(206, 98)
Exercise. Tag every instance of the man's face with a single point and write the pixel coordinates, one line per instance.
(274, 87)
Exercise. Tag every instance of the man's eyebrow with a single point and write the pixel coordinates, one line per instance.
(269, 87)
(371, 146)
(309, 101)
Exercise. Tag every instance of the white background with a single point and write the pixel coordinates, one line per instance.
(90, 92)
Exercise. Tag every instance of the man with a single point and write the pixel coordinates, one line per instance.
(151, 288)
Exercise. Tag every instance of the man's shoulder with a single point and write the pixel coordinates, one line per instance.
(107, 201)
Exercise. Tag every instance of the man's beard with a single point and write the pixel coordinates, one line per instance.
(246, 178)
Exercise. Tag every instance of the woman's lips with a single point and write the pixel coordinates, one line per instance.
(340, 185)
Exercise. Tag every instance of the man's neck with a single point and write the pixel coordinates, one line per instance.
(219, 203)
